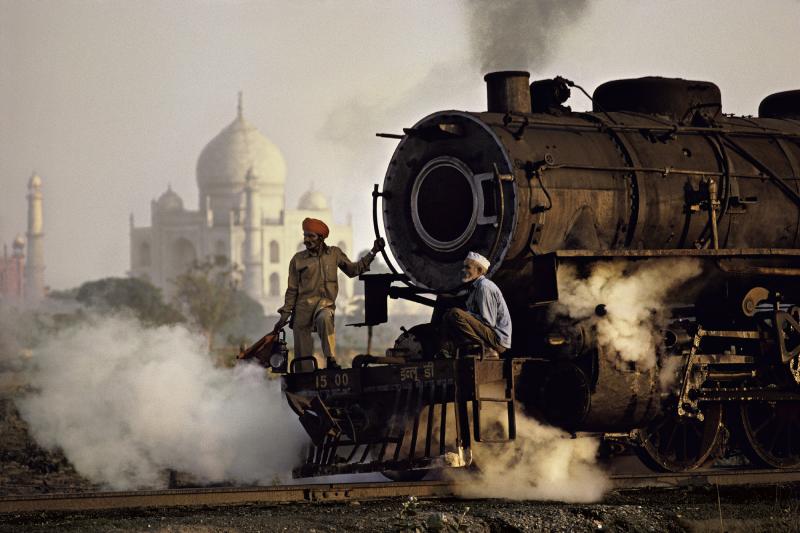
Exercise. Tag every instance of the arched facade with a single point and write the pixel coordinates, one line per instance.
(220, 248)
(238, 159)
(274, 252)
(145, 254)
(182, 254)
(274, 285)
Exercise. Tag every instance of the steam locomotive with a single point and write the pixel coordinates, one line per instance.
(655, 173)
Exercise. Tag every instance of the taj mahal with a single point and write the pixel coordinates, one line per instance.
(241, 216)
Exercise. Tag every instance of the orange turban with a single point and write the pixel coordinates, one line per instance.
(316, 226)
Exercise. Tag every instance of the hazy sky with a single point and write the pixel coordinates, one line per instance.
(110, 101)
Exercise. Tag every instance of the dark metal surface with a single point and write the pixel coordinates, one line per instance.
(677, 98)
(392, 416)
(784, 104)
(656, 173)
(603, 181)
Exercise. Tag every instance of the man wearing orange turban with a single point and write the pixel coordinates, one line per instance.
(310, 299)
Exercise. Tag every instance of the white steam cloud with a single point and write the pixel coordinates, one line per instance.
(543, 463)
(634, 295)
(125, 403)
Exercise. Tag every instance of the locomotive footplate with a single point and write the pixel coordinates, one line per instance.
(394, 417)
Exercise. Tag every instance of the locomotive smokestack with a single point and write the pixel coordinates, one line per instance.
(507, 91)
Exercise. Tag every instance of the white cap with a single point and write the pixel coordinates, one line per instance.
(478, 258)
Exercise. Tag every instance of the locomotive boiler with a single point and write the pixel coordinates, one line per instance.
(655, 173)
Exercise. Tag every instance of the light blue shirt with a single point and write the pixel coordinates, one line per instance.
(486, 302)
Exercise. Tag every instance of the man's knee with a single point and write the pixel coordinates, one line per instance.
(324, 319)
(454, 316)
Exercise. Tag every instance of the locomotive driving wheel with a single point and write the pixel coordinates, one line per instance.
(772, 433)
(674, 444)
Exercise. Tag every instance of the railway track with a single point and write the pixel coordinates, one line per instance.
(349, 492)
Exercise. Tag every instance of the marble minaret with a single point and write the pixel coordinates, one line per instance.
(253, 271)
(34, 267)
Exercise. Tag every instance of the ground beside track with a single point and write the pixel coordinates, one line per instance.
(27, 469)
(742, 509)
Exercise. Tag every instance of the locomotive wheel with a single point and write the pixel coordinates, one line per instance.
(771, 433)
(673, 444)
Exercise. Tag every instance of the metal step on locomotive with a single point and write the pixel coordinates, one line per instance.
(655, 173)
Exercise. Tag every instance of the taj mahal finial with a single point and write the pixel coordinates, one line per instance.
(239, 106)
(35, 181)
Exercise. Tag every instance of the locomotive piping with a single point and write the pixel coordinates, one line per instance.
(795, 167)
(502, 211)
(777, 180)
(638, 204)
(376, 229)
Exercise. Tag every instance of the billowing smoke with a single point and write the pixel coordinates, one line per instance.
(542, 463)
(668, 373)
(634, 296)
(125, 403)
(518, 34)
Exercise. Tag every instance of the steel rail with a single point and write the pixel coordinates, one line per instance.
(709, 477)
(223, 496)
(100, 501)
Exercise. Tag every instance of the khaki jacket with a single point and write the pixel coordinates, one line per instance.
(313, 282)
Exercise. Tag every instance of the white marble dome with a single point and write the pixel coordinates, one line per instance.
(169, 201)
(237, 150)
(313, 201)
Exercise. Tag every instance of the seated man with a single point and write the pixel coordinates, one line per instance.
(486, 320)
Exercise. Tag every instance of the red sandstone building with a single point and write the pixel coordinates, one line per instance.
(12, 273)
(21, 280)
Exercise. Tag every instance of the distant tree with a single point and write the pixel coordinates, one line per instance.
(136, 295)
(63, 295)
(246, 322)
(25, 329)
(206, 294)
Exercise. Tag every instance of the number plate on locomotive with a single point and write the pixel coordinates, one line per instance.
(337, 380)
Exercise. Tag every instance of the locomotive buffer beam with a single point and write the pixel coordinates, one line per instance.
(415, 398)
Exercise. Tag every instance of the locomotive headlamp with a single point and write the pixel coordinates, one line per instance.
(279, 358)
(278, 362)
(270, 352)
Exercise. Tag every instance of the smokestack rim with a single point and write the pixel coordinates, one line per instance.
(507, 91)
(490, 76)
